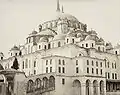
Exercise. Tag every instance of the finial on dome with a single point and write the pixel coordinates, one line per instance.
(58, 6)
(62, 9)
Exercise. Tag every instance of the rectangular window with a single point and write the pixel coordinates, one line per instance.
(86, 45)
(50, 61)
(82, 45)
(77, 70)
(115, 65)
(96, 71)
(92, 45)
(115, 76)
(46, 69)
(63, 81)
(92, 63)
(87, 70)
(112, 65)
(101, 71)
(76, 62)
(0, 89)
(108, 75)
(97, 63)
(26, 63)
(108, 64)
(23, 64)
(92, 70)
(34, 71)
(59, 69)
(50, 69)
(34, 63)
(112, 75)
(63, 70)
(46, 62)
(100, 64)
(87, 62)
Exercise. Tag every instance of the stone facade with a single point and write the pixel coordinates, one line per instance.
(64, 58)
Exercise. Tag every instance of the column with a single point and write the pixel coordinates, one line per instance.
(98, 89)
(83, 88)
(91, 89)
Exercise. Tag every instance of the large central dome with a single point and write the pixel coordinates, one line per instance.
(69, 17)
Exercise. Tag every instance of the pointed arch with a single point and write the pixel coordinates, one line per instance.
(77, 87)
(88, 87)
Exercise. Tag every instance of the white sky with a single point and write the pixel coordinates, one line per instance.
(19, 17)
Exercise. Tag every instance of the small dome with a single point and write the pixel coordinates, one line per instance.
(43, 39)
(59, 37)
(92, 32)
(109, 46)
(15, 48)
(34, 32)
(1, 54)
(79, 35)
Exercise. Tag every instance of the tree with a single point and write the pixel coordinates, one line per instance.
(15, 64)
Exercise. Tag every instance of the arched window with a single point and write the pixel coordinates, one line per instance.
(116, 52)
(95, 85)
(59, 44)
(101, 87)
(72, 40)
(52, 82)
(76, 88)
(87, 87)
(67, 40)
(45, 83)
(30, 86)
(37, 84)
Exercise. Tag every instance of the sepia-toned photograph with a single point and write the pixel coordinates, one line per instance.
(59, 47)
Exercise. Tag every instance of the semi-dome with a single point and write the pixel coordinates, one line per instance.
(48, 32)
(71, 34)
(91, 37)
(43, 39)
(59, 37)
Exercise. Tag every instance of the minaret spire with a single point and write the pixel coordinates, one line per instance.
(58, 6)
(62, 9)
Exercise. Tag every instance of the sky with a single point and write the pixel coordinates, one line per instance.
(18, 18)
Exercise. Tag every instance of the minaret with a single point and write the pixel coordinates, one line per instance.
(62, 10)
(58, 6)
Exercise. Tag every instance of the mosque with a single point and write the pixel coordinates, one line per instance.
(62, 58)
